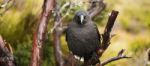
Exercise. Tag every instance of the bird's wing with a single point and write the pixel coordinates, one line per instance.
(98, 33)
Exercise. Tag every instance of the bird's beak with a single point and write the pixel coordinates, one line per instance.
(81, 19)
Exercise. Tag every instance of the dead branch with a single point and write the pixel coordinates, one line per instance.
(68, 4)
(106, 36)
(118, 57)
(56, 37)
(96, 7)
(106, 40)
(39, 35)
(59, 22)
(6, 56)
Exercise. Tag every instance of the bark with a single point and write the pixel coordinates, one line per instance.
(106, 36)
(39, 35)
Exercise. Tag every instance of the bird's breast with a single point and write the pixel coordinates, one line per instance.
(82, 40)
(82, 33)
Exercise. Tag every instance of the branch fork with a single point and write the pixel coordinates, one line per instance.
(118, 57)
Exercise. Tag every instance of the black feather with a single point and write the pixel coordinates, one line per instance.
(83, 39)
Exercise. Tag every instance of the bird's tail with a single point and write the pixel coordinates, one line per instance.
(93, 60)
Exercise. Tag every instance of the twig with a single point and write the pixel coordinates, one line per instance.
(96, 7)
(113, 59)
(58, 23)
(67, 4)
(60, 20)
(118, 57)
(39, 35)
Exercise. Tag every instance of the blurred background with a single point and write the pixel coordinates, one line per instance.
(132, 29)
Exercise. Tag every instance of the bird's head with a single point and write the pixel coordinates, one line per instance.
(81, 17)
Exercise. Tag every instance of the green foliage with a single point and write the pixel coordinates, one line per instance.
(17, 26)
(140, 45)
(136, 12)
(22, 53)
(48, 53)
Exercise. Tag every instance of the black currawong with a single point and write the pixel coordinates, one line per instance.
(83, 37)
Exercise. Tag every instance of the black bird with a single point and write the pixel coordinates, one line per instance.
(82, 36)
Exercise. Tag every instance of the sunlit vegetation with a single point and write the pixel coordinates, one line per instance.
(132, 30)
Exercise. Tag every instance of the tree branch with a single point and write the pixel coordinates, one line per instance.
(39, 35)
(118, 57)
(68, 4)
(96, 7)
(56, 36)
(106, 36)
